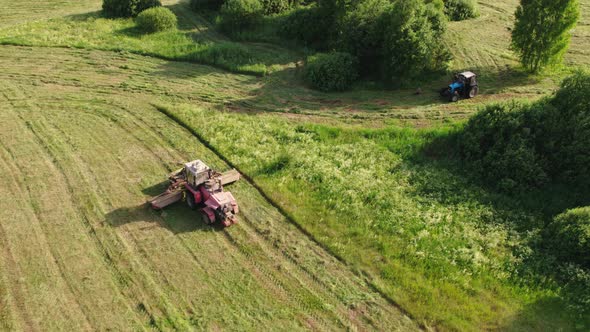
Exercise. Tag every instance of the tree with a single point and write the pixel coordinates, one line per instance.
(541, 32)
(412, 45)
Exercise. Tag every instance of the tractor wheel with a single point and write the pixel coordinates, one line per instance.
(190, 200)
(473, 92)
(455, 97)
(205, 218)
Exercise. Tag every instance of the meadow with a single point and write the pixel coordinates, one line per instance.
(81, 250)
(355, 214)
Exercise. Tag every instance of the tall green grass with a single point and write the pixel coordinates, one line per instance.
(93, 32)
(442, 247)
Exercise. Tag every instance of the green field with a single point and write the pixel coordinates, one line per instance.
(351, 219)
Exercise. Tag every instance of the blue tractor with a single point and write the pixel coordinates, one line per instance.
(464, 85)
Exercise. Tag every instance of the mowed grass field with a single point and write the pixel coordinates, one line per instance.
(80, 249)
(84, 143)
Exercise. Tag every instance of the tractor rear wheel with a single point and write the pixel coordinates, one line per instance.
(190, 200)
(455, 97)
(473, 91)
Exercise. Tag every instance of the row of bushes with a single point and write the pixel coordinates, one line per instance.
(392, 41)
(523, 146)
(389, 40)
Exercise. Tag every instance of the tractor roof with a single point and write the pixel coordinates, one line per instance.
(196, 167)
(467, 74)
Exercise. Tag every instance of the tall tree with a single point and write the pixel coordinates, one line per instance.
(541, 34)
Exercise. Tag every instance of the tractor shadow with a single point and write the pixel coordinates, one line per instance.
(176, 218)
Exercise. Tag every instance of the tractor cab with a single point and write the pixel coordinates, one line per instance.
(463, 85)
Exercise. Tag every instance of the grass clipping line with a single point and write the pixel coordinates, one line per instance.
(165, 110)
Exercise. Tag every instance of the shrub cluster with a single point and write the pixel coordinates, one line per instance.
(303, 26)
(331, 71)
(156, 19)
(237, 15)
(520, 146)
(197, 5)
(569, 236)
(459, 10)
(577, 287)
(127, 8)
(392, 41)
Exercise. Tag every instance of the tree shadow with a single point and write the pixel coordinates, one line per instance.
(440, 155)
(545, 314)
(439, 175)
(85, 16)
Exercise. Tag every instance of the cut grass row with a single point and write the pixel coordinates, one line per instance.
(84, 252)
(402, 264)
(381, 232)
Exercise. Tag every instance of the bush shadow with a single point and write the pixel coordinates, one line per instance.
(133, 31)
(440, 175)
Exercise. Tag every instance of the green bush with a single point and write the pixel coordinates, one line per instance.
(361, 34)
(331, 71)
(569, 236)
(577, 287)
(275, 6)
(459, 10)
(412, 44)
(237, 15)
(197, 5)
(305, 25)
(156, 19)
(499, 144)
(542, 31)
(127, 8)
(529, 145)
(435, 11)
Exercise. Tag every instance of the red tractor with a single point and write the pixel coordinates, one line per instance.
(201, 186)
